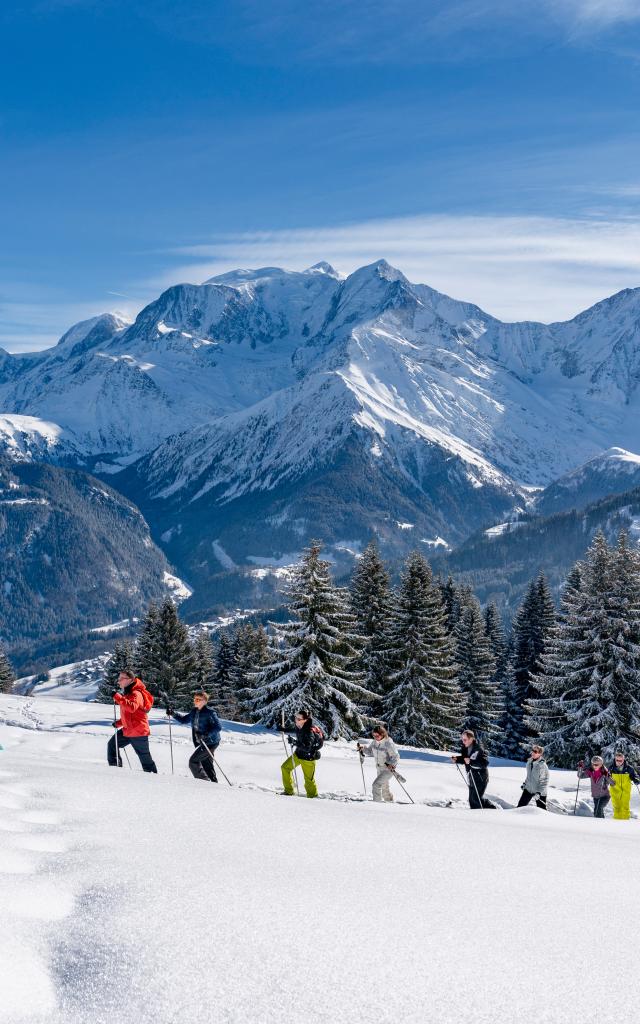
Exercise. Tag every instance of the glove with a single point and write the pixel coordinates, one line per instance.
(114, 694)
(169, 712)
(581, 765)
(291, 740)
(522, 786)
(115, 725)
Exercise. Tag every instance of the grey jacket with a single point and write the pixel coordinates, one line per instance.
(384, 752)
(537, 779)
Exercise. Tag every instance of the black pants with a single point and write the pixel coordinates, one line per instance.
(599, 805)
(527, 797)
(201, 763)
(141, 746)
(478, 782)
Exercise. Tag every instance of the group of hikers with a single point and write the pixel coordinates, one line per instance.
(132, 729)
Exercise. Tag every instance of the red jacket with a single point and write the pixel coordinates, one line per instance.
(133, 718)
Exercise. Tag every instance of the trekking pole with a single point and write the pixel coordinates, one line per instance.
(577, 791)
(364, 783)
(217, 763)
(295, 775)
(400, 779)
(480, 803)
(115, 709)
(166, 701)
(126, 754)
(461, 774)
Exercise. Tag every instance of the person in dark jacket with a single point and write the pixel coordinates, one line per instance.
(476, 762)
(306, 744)
(205, 733)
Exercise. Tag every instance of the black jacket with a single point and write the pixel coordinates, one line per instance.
(308, 741)
(205, 725)
(477, 755)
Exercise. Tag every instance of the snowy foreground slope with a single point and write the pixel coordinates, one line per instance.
(166, 900)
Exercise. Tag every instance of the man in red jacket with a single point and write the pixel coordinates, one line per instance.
(133, 725)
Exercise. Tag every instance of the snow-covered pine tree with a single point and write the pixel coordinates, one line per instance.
(455, 596)
(556, 692)
(7, 675)
(423, 705)
(223, 689)
(165, 657)
(122, 660)
(314, 666)
(590, 690)
(495, 632)
(371, 603)
(204, 658)
(624, 658)
(532, 626)
(250, 655)
(509, 741)
(476, 667)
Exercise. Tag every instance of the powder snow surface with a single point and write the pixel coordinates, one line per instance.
(165, 900)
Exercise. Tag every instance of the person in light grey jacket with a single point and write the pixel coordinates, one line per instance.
(386, 756)
(537, 780)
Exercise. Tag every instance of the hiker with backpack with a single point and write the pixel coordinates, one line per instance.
(132, 728)
(306, 745)
(205, 733)
(476, 763)
(598, 773)
(623, 778)
(386, 756)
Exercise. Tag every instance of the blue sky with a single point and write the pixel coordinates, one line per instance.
(488, 148)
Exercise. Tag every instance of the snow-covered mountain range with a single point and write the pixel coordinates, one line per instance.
(246, 414)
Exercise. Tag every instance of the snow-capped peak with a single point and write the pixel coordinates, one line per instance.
(324, 268)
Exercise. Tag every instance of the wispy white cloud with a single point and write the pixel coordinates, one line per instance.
(598, 13)
(517, 268)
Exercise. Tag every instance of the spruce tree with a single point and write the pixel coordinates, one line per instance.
(371, 604)
(495, 633)
(122, 660)
(165, 657)
(7, 675)
(590, 689)
(203, 654)
(509, 740)
(476, 667)
(534, 622)
(423, 705)
(224, 692)
(251, 655)
(314, 668)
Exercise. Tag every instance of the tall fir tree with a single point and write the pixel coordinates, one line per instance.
(371, 603)
(495, 633)
(509, 740)
(476, 667)
(204, 656)
(590, 689)
(423, 705)
(223, 689)
(7, 675)
(122, 660)
(533, 624)
(314, 667)
(250, 655)
(165, 657)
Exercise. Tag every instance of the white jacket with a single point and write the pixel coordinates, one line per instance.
(384, 751)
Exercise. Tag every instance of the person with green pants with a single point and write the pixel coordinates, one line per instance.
(306, 751)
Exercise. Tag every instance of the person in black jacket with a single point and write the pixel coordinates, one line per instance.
(476, 762)
(306, 744)
(205, 732)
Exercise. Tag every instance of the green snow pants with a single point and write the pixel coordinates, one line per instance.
(308, 770)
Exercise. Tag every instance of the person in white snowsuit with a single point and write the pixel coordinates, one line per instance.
(386, 756)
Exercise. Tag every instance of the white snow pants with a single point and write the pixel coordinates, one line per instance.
(380, 788)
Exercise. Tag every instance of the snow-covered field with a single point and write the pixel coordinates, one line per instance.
(164, 900)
